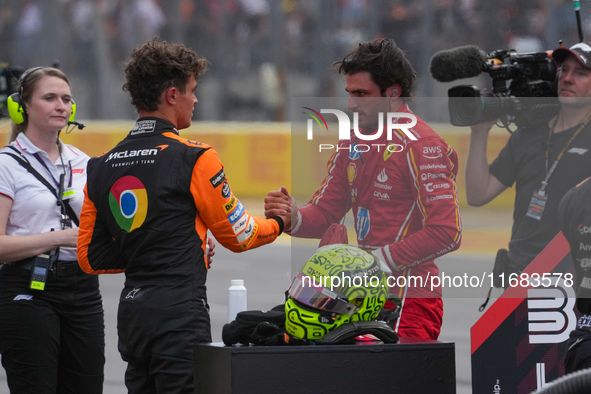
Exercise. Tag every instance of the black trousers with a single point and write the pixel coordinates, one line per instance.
(158, 324)
(578, 355)
(51, 341)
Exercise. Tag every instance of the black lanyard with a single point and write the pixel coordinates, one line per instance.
(555, 164)
(59, 184)
(67, 213)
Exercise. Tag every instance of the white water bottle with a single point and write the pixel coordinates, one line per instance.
(236, 298)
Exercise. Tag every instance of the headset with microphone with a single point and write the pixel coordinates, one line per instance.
(16, 106)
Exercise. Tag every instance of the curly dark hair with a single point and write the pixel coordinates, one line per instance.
(385, 61)
(156, 66)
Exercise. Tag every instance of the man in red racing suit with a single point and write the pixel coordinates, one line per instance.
(404, 199)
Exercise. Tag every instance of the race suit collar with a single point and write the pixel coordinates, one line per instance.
(150, 125)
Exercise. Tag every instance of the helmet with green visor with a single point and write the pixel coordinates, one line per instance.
(337, 285)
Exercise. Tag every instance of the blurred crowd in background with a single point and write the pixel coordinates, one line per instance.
(264, 51)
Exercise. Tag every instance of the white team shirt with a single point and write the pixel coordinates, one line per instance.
(34, 207)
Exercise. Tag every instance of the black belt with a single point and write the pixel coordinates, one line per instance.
(61, 269)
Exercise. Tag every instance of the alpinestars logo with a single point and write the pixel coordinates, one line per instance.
(132, 293)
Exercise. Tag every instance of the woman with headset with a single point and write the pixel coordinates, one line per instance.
(51, 316)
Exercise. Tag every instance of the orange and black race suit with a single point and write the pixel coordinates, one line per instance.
(148, 205)
(150, 201)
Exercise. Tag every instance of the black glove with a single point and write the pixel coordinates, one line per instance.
(269, 334)
(240, 330)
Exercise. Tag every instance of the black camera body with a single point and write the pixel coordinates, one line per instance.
(9, 77)
(523, 91)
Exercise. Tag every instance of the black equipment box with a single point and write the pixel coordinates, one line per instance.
(410, 366)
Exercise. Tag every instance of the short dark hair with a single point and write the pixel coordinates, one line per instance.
(386, 63)
(156, 66)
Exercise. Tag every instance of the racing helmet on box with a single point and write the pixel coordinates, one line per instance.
(337, 285)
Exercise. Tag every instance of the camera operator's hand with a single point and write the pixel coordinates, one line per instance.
(481, 185)
(482, 127)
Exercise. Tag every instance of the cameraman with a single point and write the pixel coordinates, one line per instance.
(543, 163)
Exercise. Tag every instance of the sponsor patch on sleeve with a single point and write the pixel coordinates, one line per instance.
(226, 190)
(218, 178)
(230, 205)
(240, 225)
(435, 186)
(243, 236)
(236, 213)
(247, 244)
(432, 152)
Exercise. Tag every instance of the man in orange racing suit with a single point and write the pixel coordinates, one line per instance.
(148, 205)
(404, 200)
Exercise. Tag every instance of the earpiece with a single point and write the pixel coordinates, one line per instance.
(14, 104)
(73, 114)
(394, 92)
(15, 108)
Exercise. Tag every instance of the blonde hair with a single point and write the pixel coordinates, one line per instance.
(26, 90)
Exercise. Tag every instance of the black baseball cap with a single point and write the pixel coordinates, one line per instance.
(581, 51)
